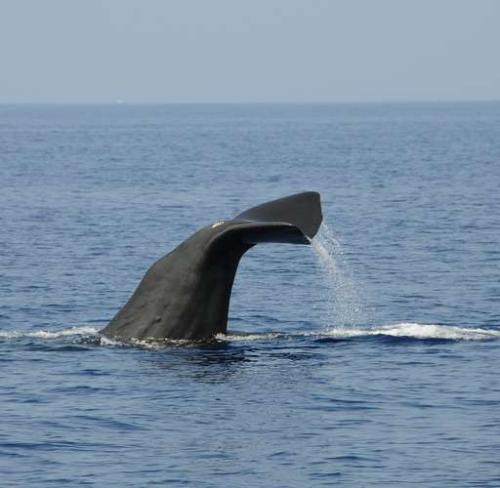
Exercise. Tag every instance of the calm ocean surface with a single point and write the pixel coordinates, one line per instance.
(371, 358)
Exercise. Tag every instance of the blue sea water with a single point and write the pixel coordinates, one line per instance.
(368, 359)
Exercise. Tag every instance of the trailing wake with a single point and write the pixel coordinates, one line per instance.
(90, 336)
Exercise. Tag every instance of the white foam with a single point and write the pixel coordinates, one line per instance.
(154, 343)
(409, 330)
(83, 330)
(86, 331)
(107, 341)
(234, 337)
(417, 331)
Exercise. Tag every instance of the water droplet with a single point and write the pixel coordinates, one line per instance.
(344, 304)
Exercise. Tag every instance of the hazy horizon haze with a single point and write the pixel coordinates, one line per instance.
(103, 51)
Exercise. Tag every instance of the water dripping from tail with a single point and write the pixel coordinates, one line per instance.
(343, 304)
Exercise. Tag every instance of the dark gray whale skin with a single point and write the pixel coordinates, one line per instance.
(185, 294)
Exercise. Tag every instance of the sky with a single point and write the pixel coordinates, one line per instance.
(95, 51)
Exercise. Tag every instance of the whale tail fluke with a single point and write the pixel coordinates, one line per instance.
(293, 219)
(185, 294)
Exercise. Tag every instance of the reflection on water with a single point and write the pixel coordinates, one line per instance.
(213, 363)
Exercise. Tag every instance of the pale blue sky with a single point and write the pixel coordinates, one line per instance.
(249, 50)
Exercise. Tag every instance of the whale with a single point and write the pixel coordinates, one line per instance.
(185, 295)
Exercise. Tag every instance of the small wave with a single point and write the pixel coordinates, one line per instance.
(418, 331)
(153, 344)
(408, 330)
(241, 337)
(84, 330)
(90, 335)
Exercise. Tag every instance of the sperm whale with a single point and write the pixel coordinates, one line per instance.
(186, 294)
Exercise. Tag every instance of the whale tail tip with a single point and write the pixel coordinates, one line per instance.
(295, 218)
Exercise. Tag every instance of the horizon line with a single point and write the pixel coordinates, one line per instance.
(120, 102)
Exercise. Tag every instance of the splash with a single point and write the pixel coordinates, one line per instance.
(344, 304)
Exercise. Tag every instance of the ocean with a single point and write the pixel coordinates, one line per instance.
(368, 359)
